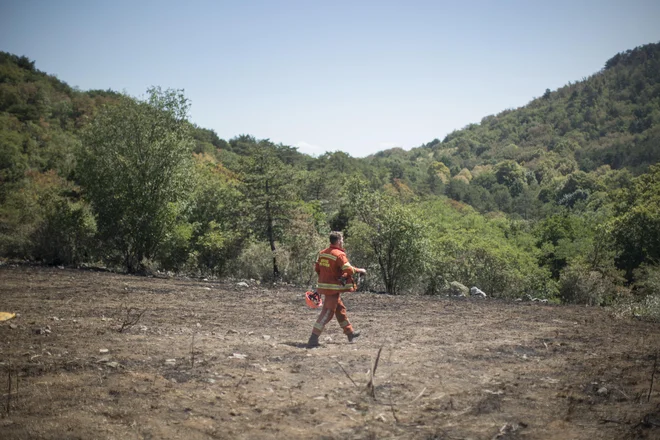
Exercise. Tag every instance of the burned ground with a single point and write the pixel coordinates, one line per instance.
(208, 359)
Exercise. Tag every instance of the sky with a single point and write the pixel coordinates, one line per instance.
(356, 76)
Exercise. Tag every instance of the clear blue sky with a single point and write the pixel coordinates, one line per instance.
(357, 76)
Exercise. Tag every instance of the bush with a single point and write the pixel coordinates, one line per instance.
(647, 280)
(302, 249)
(579, 284)
(174, 252)
(66, 236)
(256, 261)
(216, 248)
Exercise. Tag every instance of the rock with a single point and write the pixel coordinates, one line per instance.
(458, 289)
(103, 350)
(238, 356)
(13, 326)
(170, 361)
(475, 291)
(113, 364)
(266, 337)
(242, 284)
(602, 391)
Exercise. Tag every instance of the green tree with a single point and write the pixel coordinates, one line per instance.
(388, 233)
(219, 230)
(268, 186)
(135, 168)
(636, 228)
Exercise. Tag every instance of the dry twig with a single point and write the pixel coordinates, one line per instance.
(244, 373)
(349, 377)
(192, 351)
(132, 317)
(396, 419)
(370, 385)
(8, 387)
(655, 365)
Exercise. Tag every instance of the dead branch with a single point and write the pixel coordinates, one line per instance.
(618, 422)
(370, 385)
(192, 351)
(396, 419)
(347, 375)
(132, 317)
(244, 373)
(655, 365)
(9, 387)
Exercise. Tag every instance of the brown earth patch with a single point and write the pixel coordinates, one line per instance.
(210, 359)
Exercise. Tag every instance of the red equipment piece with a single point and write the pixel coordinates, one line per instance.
(313, 299)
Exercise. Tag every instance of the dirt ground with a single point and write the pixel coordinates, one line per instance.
(210, 359)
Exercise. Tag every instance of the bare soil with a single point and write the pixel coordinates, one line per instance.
(209, 359)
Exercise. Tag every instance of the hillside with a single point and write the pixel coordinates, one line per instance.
(557, 199)
(611, 118)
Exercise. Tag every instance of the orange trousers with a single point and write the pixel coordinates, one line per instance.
(332, 306)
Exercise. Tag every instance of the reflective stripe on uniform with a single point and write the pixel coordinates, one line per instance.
(346, 266)
(319, 326)
(330, 256)
(331, 286)
(344, 324)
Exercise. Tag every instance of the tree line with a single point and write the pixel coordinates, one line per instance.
(557, 200)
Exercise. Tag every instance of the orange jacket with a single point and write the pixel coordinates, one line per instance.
(331, 265)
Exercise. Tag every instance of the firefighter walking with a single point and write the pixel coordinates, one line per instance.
(335, 276)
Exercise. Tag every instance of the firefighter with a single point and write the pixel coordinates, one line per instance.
(335, 276)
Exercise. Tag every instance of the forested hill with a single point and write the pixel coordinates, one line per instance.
(611, 118)
(559, 199)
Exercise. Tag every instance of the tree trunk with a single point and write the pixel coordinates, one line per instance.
(271, 240)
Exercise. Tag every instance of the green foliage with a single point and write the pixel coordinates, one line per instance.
(636, 228)
(302, 241)
(495, 255)
(390, 234)
(580, 284)
(174, 253)
(215, 248)
(267, 184)
(66, 235)
(135, 168)
(256, 261)
(38, 221)
(218, 230)
(562, 192)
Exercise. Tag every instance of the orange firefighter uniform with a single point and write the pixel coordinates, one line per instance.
(335, 276)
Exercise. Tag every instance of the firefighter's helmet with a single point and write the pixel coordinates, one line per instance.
(313, 299)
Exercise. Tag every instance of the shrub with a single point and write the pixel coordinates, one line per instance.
(66, 236)
(174, 252)
(256, 261)
(579, 284)
(216, 248)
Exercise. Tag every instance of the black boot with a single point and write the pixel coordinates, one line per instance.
(313, 341)
(351, 336)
